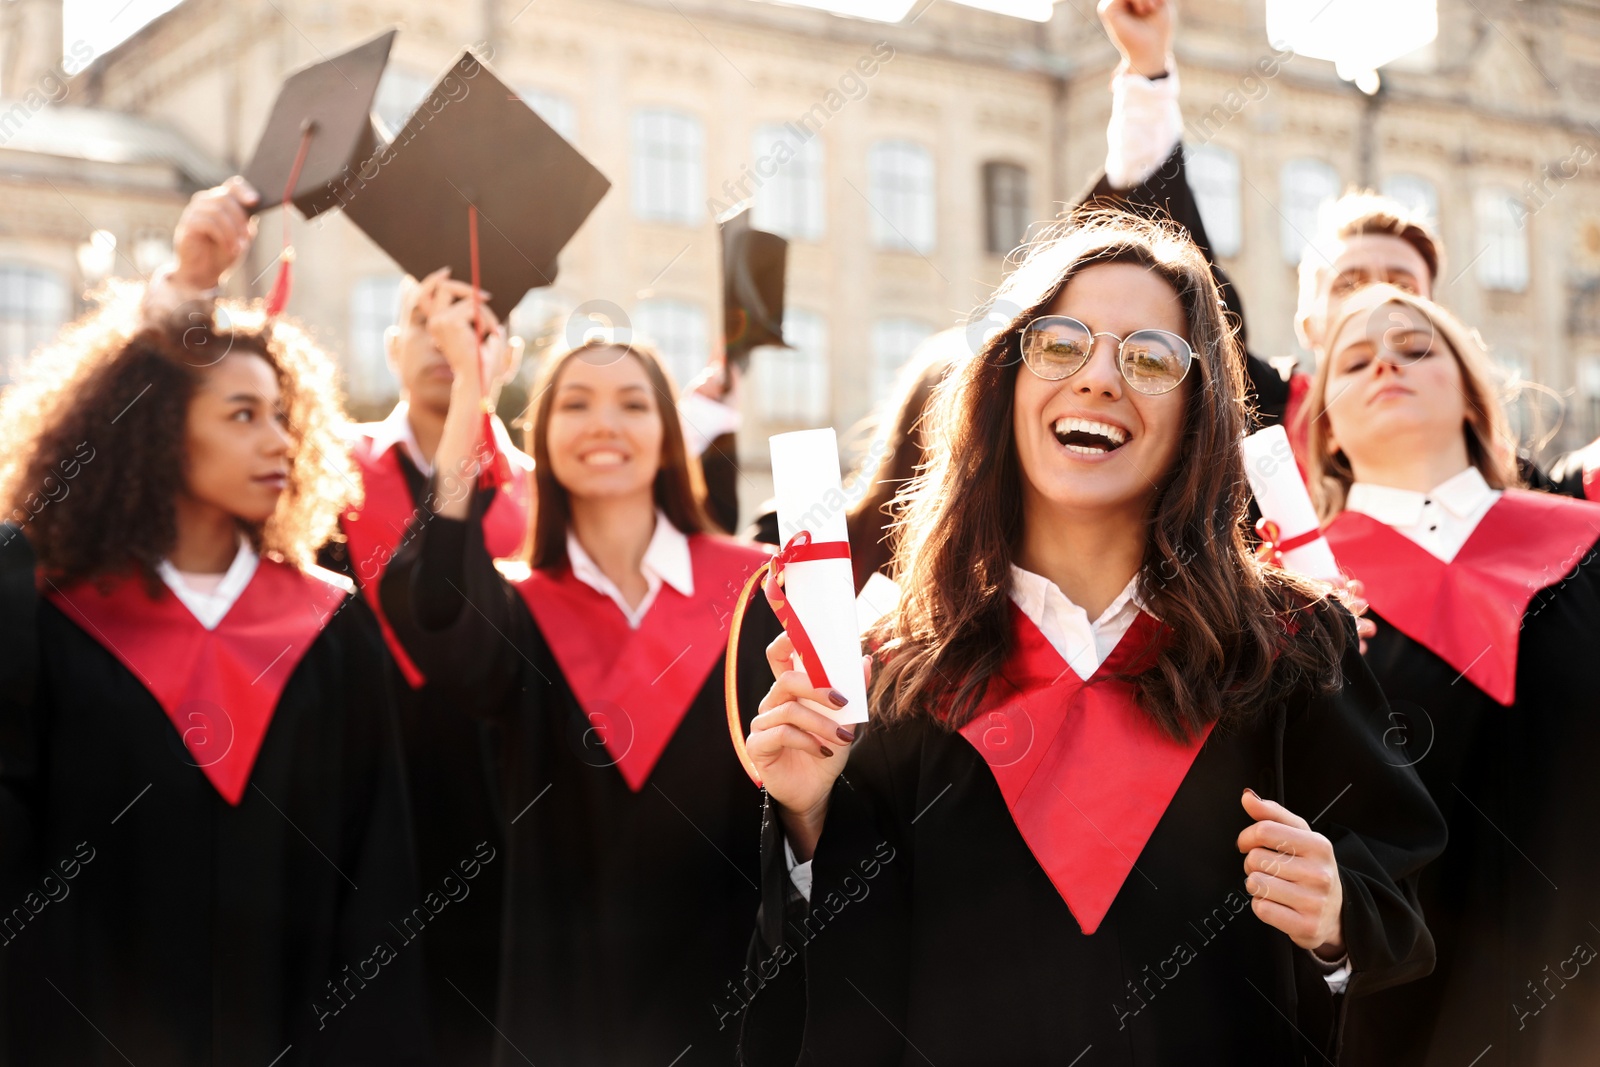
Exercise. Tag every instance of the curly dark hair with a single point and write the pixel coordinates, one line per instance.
(1242, 633)
(95, 426)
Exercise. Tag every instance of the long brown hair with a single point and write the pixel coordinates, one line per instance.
(679, 486)
(902, 436)
(96, 428)
(1491, 446)
(1228, 617)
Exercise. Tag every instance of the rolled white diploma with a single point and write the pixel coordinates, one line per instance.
(1282, 497)
(822, 592)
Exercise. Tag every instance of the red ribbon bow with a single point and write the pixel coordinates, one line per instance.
(800, 549)
(1273, 545)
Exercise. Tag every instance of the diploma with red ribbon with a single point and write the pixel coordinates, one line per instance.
(1290, 536)
(809, 582)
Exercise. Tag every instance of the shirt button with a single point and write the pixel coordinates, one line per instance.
(1433, 529)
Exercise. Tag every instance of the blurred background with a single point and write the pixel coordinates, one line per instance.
(903, 160)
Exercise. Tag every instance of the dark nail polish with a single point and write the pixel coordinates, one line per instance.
(845, 735)
(826, 751)
(838, 698)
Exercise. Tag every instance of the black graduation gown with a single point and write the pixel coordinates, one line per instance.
(628, 909)
(1514, 902)
(454, 787)
(147, 919)
(935, 934)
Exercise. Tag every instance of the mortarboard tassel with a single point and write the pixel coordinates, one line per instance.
(494, 470)
(278, 298)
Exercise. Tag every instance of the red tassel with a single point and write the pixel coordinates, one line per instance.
(494, 470)
(278, 299)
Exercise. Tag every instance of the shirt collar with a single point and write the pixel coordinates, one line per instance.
(1462, 495)
(1032, 591)
(666, 557)
(211, 608)
(396, 430)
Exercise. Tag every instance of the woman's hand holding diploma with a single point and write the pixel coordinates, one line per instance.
(798, 750)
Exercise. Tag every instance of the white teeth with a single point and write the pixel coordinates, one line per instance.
(1100, 429)
(605, 458)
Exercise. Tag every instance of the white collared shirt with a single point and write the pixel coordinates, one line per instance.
(396, 430)
(1440, 521)
(1146, 124)
(1083, 644)
(666, 560)
(208, 597)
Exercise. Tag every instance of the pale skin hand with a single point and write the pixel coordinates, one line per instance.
(1354, 597)
(212, 235)
(451, 328)
(798, 751)
(1292, 877)
(1142, 32)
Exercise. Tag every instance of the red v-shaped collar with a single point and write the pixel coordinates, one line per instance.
(1468, 612)
(1084, 771)
(375, 529)
(636, 685)
(218, 687)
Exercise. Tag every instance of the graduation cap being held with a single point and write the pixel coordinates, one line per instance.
(477, 182)
(753, 269)
(318, 136)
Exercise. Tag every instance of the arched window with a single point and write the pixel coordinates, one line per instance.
(1304, 186)
(1214, 178)
(678, 330)
(34, 304)
(901, 191)
(792, 383)
(668, 167)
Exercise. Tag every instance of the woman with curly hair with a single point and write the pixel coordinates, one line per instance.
(204, 830)
(1123, 798)
(1487, 597)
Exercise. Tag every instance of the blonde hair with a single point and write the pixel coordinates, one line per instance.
(1491, 446)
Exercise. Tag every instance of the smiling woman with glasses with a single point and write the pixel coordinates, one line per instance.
(1104, 809)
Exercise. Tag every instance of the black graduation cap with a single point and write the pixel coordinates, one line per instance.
(475, 144)
(753, 267)
(320, 131)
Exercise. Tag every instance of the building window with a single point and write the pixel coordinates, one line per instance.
(399, 92)
(902, 197)
(555, 109)
(1005, 207)
(1214, 177)
(678, 330)
(1502, 240)
(788, 178)
(374, 307)
(1416, 194)
(34, 304)
(668, 167)
(792, 383)
(893, 341)
(1304, 186)
(1588, 402)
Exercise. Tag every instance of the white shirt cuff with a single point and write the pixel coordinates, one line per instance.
(799, 873)
(1146, 123)
(704, 420)
(1336, 979)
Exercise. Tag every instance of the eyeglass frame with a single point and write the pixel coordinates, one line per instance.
(1093, 335)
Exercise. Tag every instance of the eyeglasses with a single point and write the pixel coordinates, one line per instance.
(1152, 361)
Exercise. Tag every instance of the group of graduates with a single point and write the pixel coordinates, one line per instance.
(394, 743)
